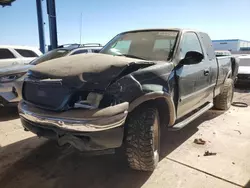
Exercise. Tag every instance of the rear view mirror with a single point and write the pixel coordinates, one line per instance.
(192, 57)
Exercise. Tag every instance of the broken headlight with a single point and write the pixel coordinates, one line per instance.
(125, 89)
(94, 100)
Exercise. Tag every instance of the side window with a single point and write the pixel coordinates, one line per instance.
(190, 42)
(26, 53)
(6, 54)
(80, 52)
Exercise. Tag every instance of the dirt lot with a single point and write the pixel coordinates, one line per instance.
(27, 161)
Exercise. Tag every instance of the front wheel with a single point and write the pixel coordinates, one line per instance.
(143, 138)
(224, 100)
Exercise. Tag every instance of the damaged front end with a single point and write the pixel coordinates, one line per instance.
(86, 108)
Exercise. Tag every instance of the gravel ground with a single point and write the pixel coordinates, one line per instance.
(27, 161)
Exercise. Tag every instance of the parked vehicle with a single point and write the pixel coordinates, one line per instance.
(140, 82)
(68, 50)
(244, 70)
(17, 55)
(11, 78)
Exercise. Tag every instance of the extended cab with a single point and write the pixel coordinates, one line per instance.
(140, 82)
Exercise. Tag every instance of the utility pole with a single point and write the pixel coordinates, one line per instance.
(40, 25)
(51, 10)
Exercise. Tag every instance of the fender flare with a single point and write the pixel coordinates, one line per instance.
(235, 66)
(153, 96)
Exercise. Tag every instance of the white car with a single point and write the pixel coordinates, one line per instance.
(17, 55)
(244, 70)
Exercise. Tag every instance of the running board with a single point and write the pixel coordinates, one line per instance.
(186, 121)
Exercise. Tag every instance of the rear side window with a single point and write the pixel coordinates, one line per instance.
(190, 42)
(26, 53)
(80, 52)
(6, 54)
(208, 45)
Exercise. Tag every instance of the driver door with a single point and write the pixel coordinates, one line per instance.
(193, 80)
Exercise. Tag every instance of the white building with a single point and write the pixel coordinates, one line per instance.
(231, 45)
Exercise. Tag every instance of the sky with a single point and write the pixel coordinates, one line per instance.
(102, 20)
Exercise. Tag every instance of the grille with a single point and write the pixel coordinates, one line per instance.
(49, 95)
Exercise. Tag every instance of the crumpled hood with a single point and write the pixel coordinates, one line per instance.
(97, 69)
(14, 69)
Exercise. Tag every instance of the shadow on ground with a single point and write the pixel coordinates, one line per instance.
(8, 113)
(243, 87)
(172, 140)
(247, 185)
(50, 166)
(242, 94)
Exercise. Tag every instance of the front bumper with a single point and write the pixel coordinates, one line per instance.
(84, 129)
(243, 79)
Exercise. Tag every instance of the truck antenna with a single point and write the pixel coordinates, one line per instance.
(81, 29)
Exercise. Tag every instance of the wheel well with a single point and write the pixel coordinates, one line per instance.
(163, 110)
(162, 107)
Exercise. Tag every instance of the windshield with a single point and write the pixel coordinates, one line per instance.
(149, 45)
(50, 55)
(244, 62)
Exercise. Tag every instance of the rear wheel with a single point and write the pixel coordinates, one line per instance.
(143, 138)
(224, 100)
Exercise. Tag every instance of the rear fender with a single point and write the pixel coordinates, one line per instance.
(229, 75)
(233, 71)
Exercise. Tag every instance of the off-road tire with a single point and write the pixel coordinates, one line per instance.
(224, 100)
(143, 138)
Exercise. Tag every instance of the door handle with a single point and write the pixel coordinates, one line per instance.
(206, 72)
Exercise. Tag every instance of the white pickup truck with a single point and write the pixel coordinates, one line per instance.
(17, 55)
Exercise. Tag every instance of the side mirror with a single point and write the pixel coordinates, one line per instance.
(192, 57)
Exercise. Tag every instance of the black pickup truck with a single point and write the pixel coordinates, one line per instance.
(140, 82)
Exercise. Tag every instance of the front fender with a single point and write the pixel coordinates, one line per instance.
(156, 95)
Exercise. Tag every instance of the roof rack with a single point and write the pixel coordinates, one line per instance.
(68, 45)
(90, 44)
(79, 45)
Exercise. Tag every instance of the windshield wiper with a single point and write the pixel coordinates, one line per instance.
(132, 56)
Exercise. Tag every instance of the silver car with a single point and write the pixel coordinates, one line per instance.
(11, 78)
